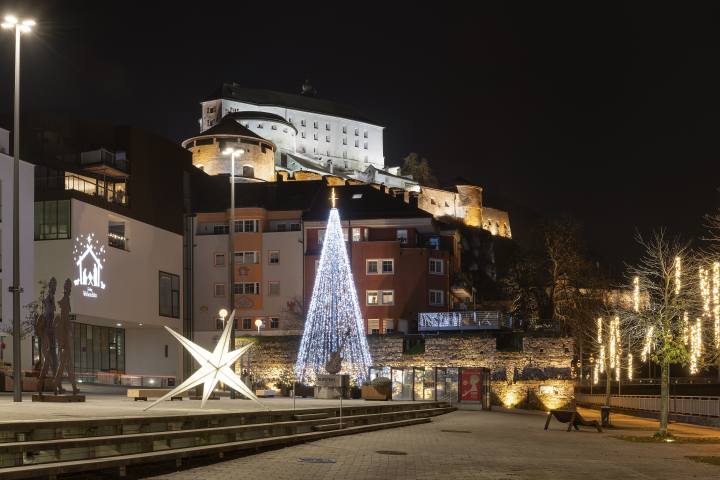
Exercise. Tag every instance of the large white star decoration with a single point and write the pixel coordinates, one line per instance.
(214, 367)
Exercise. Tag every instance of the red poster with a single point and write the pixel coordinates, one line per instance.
(471, 385)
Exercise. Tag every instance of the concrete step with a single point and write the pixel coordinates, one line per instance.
(329, 426)
(311, 416)
(122, 461)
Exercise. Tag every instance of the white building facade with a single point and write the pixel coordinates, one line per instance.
(324, 130)
(6, 248)
(126, 286)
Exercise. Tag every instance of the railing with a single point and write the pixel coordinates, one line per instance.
(101, 156)
(124, 379)
(698, 406)
(473, 320)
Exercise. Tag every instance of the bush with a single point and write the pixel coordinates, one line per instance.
(382, 384)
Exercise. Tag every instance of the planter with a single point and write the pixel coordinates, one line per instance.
(372, 393)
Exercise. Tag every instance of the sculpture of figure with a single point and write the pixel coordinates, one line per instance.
(63, 332)
(46, 327)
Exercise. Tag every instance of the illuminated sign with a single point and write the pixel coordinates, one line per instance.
(89, 257)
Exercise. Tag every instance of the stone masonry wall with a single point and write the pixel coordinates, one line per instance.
(537, 377)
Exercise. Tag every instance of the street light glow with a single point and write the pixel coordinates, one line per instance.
(223, 313)
(11, 21)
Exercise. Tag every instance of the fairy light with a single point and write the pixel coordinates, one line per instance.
(716, 303)
(636, 294)
(695, 346)
(647, 347)
(630, 365)
(686, 328)
(334, 322)
(618, 350)
(596, 374)
(601, 359)
(678, 273)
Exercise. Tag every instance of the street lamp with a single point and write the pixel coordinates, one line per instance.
(233, 153)
(20, 26)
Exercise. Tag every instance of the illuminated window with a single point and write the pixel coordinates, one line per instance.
(389, 325)
(169, 297)
(246, 258)
(380, 297)
(246, 288)
(387, 297)
(436, 297)
(219, 290)
(436, 266)
(219, 259)
(246, 226)
(356, 232)
(273, 257)
(373, 326)
(373, 297)
(273, 288)
(274, 322)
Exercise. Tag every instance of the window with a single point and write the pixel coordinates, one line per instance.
(374, 326)
(245, 226)
(345, 156)
(327, 138)
(221, 229)
(169, 298)
(380, 297)
(274, 322)
(273, 288)
(273, 257)
(248, 171)
(372, 267)
(365, 135)
(246, 258)
(315, 136)
(357, 132)
(436, 266)
(402, 236)
(289, 119)
(302, 134)
(52, 220)
(434, 243)
(246, 288)
(281, 227)
(357, 143)
(274, 127)
(436, 297)
(302, 123)
(219, 290)
(259, 125)
(247, 323)
(344, 130)
(365, 145)
(356, 232)
(116, 235)
(380, 266)
(219, 260)
(321, 235)
(388, 266)
(294, 227)
(389, 325)
(344, 140)
(315, 124)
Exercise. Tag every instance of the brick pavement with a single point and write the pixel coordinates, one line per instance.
(499, 446)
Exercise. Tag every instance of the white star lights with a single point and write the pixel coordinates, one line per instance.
(214, 367)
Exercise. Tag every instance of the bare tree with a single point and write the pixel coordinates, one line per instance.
(667, 276)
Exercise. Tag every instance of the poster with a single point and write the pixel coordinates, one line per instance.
(471, 385)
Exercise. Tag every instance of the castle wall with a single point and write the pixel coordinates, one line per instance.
(257, 155)
(496, 222)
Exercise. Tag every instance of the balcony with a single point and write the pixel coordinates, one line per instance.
(105, 162)
(457, 321)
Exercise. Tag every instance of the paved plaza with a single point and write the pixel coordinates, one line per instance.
(478, 445)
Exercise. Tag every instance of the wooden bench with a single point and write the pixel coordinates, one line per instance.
(145, 393)
(572, 418)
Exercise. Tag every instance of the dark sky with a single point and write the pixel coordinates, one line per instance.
(611, 115)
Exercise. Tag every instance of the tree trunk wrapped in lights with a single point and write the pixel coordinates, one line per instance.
(334, 325)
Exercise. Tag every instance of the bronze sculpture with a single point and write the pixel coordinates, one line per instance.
(63, 331)
(46, 334)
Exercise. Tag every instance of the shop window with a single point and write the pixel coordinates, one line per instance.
(169, 295)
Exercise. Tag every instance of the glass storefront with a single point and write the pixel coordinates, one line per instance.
(98, 348)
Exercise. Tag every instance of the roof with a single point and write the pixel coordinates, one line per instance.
(233, 91)
(227, 126)
(258, 115)
(310, 196)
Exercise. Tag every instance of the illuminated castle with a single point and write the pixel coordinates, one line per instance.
(289, 137)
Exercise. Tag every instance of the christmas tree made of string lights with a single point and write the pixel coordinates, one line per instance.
(334, 324)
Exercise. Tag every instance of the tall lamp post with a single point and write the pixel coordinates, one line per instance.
(20, 27)
(233, 153)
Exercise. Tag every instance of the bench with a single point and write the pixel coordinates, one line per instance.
(572, 418)
(145, 393)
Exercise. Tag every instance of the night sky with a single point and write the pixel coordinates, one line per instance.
(610, 115)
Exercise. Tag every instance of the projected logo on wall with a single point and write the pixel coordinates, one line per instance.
(89, 257)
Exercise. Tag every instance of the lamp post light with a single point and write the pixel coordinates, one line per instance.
(20, 27)
(233, 153)
(258, 324)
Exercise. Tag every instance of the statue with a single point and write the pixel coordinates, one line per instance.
(63, 331)
(46, 334)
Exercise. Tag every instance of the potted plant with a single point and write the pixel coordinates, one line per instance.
(379, 389)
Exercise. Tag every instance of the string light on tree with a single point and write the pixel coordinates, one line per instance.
(636, 294)
(716, 303)
(648, 344)
(334, 323)
(695, 346)
(678, 273)
(686, 328)
(630, 365)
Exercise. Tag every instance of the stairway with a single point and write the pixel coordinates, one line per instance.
(53, 448)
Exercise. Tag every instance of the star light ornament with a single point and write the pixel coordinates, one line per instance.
(215, 367)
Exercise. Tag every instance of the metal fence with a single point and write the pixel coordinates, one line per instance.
(699, 406)
(473, 320)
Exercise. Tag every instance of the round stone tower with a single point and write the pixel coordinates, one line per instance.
(470, 200)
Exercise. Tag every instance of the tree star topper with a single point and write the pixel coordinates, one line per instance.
(214, 367)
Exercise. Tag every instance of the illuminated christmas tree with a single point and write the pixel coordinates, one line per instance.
(334, 329)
